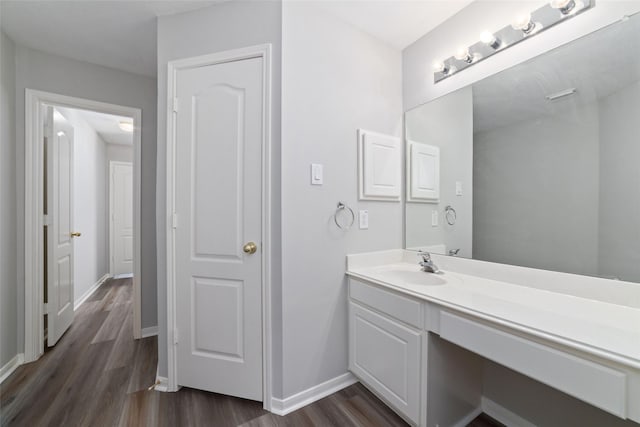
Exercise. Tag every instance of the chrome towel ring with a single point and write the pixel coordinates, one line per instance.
(450, 215)
(347, 224)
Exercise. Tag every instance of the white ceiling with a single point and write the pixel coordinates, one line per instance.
(122, 34)
(597, 65)
(106, 125)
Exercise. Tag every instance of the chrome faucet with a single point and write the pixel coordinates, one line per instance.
(427, 263)
(454, 252)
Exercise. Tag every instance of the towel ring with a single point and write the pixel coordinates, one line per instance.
(344, 208)
(450, 215)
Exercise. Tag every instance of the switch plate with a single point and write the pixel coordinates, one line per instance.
(458, 188)
(363, 218)
(434, 218)
(316, 174)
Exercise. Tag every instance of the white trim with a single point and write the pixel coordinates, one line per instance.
(123, 276)
(502, 414)
(162, 384)
(34, 224)
(263, 51)
(113, 163)
(312, 394)
(77, 303)
(11, 366)
(464, 421)
(151, 331)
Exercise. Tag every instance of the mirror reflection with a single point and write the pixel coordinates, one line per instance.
(537, 166)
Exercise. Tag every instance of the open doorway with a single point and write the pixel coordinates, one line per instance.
(83, 175)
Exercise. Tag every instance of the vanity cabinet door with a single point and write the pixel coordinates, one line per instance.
(385, 355)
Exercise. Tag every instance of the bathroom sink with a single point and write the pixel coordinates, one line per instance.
(409, 275)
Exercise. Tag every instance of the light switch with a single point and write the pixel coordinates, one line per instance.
(434, 218)
(458, 188)
(316, 174)
(363, 217)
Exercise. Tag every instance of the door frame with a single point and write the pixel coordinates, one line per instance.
(260, 51)
(35, 221)
(113, 163)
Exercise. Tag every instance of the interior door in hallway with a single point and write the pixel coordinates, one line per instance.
(121, 214)
(218, 198)
(60, 233)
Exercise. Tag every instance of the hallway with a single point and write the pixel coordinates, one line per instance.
(87, 377)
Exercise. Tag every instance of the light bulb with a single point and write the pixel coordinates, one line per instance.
(565, 6)
(523, 23)
(489, 38)
(462, 54)
(440, 67)
(60, 133)
(126, 126)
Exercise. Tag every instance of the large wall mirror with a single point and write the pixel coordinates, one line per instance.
(539, 165)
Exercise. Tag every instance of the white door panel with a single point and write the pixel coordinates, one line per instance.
(121, 206)
(218, 205)
(59, 152)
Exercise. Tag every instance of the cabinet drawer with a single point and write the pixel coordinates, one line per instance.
(402, 308)
(591, 382)
(385, 355)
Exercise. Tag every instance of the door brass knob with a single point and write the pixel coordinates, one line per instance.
(76, 234)
(250, 248)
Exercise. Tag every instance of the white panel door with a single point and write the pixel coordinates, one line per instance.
(121, 206)
(59, 152)
(218, 211)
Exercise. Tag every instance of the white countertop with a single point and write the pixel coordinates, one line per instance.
(603, 328)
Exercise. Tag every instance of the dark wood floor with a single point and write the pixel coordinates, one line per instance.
(98, 375)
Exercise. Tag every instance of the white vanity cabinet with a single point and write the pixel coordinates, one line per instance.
(385, 345)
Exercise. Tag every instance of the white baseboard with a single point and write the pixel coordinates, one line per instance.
(77, 303)
(503, 415)
(162, 384)
(149, 332)
(123, 276)
(463, 422)
(310, 395)
(11, 366)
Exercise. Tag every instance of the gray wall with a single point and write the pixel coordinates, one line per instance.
(620, 184)
(336, 79)
(226, 26)
(90, 208)
(536, 193)
(8, 229)
(447, 123)
(50, 73)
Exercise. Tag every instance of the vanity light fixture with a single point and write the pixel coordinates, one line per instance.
(523, 27)
(126, 126)
(463, 55)
(564, 6)
(524, 24)
(488, 38)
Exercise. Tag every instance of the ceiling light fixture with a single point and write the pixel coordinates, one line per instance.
(523, 27)
(126, 126)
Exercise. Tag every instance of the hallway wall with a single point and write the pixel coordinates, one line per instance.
(8, 229)
(42, 71)
(90, 208)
